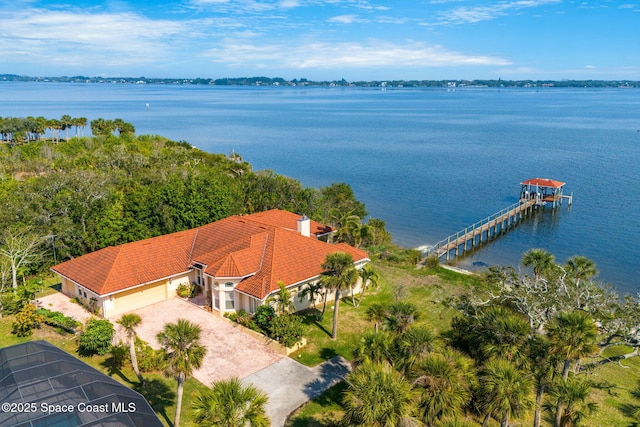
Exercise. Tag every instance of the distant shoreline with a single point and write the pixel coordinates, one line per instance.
(278, 81)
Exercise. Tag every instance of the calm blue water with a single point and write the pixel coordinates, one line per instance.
(428, 162)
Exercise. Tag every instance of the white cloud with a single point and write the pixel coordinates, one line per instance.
(468, 15)
(343, 19)
(322, 55)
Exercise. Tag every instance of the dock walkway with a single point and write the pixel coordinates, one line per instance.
(482, 230)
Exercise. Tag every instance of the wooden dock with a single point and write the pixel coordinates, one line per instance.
(483, 230)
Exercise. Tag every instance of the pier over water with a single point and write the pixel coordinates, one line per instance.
(536, 193)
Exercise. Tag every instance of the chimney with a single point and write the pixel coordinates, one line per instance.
(304, 226)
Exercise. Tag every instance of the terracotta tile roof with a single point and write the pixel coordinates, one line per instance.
(291, 258)
(285, 219)
(266, 247)
(121, 267)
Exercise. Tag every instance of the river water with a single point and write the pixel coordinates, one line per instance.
(427, 161)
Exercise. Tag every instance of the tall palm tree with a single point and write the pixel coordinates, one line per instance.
(504, 391)
(377, 396)
(443, 385)
(542, 364)
(130, 322)
(182, 353)
(66, 121)
(570, 399)
(230, 404)
(376, 313)
(539, 260)
(370, 278)
(401, 315)
(572, 335)
(581, 268)
(339, 274)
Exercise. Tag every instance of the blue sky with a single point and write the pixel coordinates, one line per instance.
(323, 39)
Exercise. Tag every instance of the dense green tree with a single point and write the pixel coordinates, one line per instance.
(374, 348)
(572, 335)
(504, 391)
(96, 338)
(443, 381)
(413, 345)
(338, 275)
(377, 396)
(229, 403)
(182, 353)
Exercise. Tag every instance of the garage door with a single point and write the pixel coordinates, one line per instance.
(139, 297)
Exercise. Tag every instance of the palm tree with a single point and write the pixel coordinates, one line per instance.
(581, 268)
(339, 274)
(66, 121)
(414, 344)
(569, 398)
(542, 364)
(182, 353)
(282, 300)
(377, 396)
(230, 404)
(376, 313)
(375, 348)
(539, 260)
(444, 386)
(572, 335)
(313, 291)
(504, 334)
(370, 278)
(130, 322)
(504, 391)
(401, 315)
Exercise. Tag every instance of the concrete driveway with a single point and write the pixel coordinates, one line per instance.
(290, 384)
(230, 352)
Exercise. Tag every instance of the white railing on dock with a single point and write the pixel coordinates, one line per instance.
(491, 219)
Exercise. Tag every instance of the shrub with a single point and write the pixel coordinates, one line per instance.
(263, 317)
(58, 320)
(184, 290)
(26, 321)
(119, 355)
(147, 356)
(96, 339)
(11, 303)
(287, 329)
(432, 262)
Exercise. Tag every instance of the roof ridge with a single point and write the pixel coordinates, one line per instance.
(193, 245)
(106, 279)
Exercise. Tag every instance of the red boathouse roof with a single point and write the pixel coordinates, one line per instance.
(543, 182)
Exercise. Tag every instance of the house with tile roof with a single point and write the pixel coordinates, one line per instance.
(236, 264)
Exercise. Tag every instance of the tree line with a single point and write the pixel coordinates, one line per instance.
(19, 130)
(63, 199)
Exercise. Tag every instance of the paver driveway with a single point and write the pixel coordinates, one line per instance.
(230, 352)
